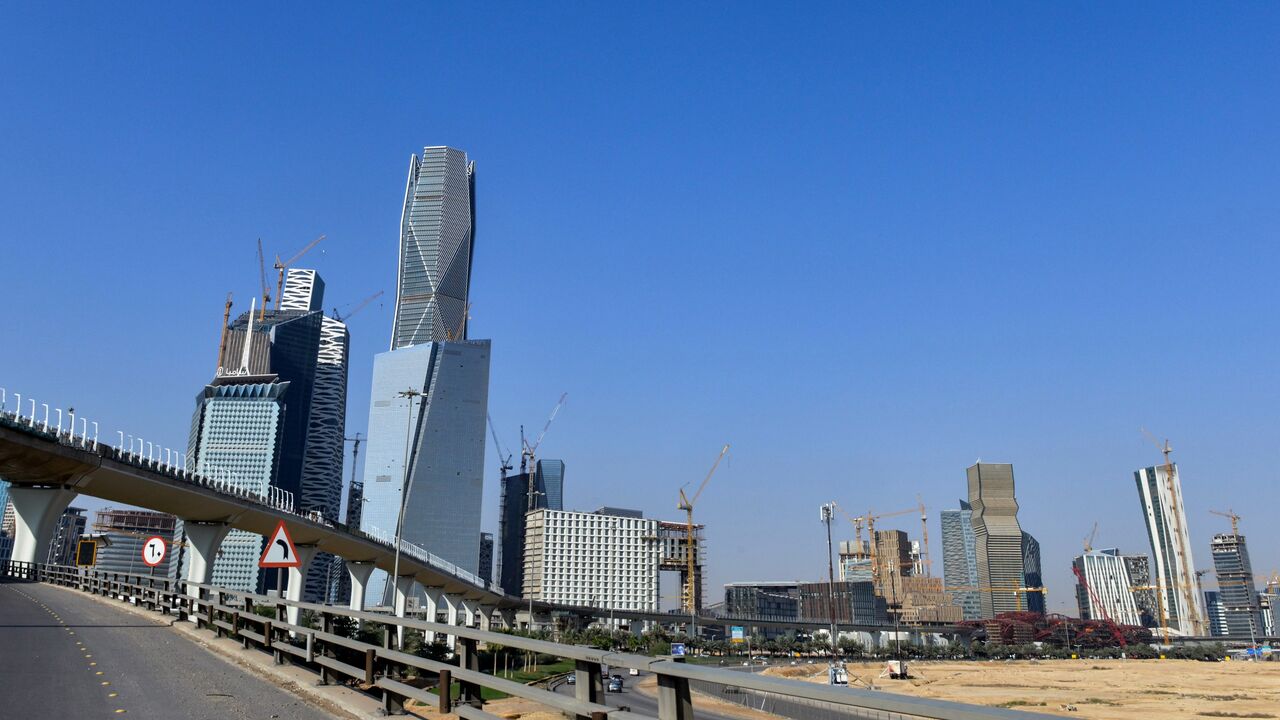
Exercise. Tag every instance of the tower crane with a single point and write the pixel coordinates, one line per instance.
(686, 504)
(924, 538)
(1235, 519)
(262, 281)
(504, 457)
(870, 519)
(360, 306)
(226, 318)
(461, 332)
(529, 453)
(1179, 532)
(1088, 540)
(280, 267)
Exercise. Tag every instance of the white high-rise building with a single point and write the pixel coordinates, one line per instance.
(1110, 591)
(592, 559)
(1173, 566)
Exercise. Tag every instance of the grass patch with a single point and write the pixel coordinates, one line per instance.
(1097, 701)
(1020, 703)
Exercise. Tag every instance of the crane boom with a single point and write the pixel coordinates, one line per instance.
(262, 281)
(1235, 519)
(692, 580)
(554, 411)
(280, 266)
(363, 303)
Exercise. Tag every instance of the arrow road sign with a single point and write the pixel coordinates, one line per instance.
(153, 551)
(280, 552)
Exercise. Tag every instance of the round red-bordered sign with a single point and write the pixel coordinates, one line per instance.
(153, 551)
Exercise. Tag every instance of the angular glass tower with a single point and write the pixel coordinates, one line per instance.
(437, 234)
(960, 559)
(427, 452)
(1175, 571)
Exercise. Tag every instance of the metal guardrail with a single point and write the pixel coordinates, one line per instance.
(384, 669)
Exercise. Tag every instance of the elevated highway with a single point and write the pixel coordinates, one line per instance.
(48, 465)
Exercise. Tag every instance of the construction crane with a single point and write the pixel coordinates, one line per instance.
(1098, 603)
(1235, 519)
(529, 453)
(262, 280)
(870, 519)
(504, 457)
(924, 538)
(686, 504)
(461, 332)
(355, 456)
(360, 306)
(280, 267)
(1088, 540)
(226, 318)
(1175, 512)
(1164, 619)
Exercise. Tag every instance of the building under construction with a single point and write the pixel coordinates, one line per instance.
(673, 541)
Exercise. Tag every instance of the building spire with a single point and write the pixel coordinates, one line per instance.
(248, 339)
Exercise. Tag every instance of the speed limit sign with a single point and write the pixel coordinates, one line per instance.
(153, 551)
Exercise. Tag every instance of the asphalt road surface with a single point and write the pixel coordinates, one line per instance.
(644, 703)
(65, 655)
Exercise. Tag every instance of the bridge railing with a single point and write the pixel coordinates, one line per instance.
(259, 621)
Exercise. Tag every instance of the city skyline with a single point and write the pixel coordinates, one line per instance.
(633, 277)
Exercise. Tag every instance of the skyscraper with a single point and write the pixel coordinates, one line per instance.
(1239, 596)
(1175, 570)
(513, 503)
(1217, 618)
(1109, 593)
(301, 346)
(486, 557)
(550, 475)
(437, 235)
(997, 538)
(960, 559)
(1031, 576)
(430, 392)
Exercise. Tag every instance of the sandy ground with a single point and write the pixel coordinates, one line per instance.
(1101, 689)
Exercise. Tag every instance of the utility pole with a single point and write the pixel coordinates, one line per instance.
(405, 487)
(828, 511)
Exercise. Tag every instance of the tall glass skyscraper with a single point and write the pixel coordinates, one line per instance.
(1174, 570)
(960, 560)
(551, 483)
(1239, 596)
(427, 451)
(437, 235)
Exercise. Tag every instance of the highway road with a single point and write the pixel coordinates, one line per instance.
(644, 703)
(66, 655)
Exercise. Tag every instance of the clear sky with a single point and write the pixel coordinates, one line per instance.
(865, 243)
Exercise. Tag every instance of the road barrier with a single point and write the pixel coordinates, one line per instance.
(384, 670)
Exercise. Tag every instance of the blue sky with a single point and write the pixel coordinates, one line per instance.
(865, 243)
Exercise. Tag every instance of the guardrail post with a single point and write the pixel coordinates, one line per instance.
(469, 659)
(392, 704)
(588, 681)
(444, 689)
(674, 700)
(248, 610)
(326, 625)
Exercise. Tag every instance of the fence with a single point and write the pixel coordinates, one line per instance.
(385, 669)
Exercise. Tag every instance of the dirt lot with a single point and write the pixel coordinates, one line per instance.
(1101, 689)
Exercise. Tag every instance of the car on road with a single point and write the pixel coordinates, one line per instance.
(633, 671)
(615, 684)
(573, 680)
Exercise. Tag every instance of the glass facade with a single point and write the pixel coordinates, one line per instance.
(1174, 570)
(437, 235)
(1241, 610)
(960, 560)
(551, 483)
(441, 434)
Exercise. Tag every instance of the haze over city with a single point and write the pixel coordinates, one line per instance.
(866, 248)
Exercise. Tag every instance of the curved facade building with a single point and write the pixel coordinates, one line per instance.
(997, 539)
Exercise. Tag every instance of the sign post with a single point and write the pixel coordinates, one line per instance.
(86, 553)
(279, 554)
(153, 551)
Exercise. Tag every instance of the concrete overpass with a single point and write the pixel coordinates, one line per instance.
(48, 464)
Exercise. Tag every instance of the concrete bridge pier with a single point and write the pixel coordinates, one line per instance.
(203, 541)
(875, 639)
(507, 617)
(298, 581)
(404, 586)
(467, 610)
(359, 572)
(435, 596)
(484, 616)
(36, 514)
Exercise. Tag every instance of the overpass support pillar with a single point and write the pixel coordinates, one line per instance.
(434, 598)
(508, 618)
(484, 616)
(451, 616)
(404, 586)
(876, 639)
(359, 572)
(298, 582)
(203, 541)
(36, 514)
(468, 611)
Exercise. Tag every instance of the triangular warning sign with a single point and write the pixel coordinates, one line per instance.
(279, 552)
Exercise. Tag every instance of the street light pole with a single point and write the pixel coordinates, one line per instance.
(405, 488)
(828, 512)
